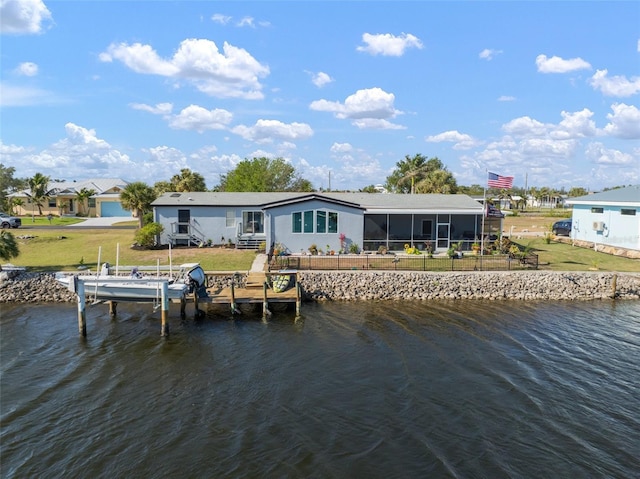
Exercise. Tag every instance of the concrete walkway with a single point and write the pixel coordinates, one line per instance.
(101, 222)
(259, 263)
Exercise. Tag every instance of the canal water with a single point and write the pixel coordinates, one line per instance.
(351, 390)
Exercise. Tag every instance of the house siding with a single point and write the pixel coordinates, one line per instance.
(280, 227)
(210, 221)
(622, 231)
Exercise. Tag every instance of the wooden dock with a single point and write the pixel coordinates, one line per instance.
(257, 290)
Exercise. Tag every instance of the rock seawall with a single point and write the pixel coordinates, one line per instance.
(27, 287)
(518, 285)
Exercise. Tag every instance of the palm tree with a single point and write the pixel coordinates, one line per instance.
(39, 188)
(82, 196)
(15, 202)
(8, 246)
(438, 181)
(188, 181)
(137, 198)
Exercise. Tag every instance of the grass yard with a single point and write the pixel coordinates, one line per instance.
(564, 257)
(67, 249)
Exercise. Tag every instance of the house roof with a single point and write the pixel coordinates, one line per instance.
(372, 202)
(99, 185)
(628, 196)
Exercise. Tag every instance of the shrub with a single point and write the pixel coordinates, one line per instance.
(146, 236)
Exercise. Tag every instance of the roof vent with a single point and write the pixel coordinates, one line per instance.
(175, 195)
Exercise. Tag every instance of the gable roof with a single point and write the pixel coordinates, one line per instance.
(303, 198)
(628, 196)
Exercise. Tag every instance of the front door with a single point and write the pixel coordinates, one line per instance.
(184, 218)
(443, 235)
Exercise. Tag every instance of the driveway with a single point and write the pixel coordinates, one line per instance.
(101, 222)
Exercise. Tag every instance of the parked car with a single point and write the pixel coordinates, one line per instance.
(9, 221)
(562, 228)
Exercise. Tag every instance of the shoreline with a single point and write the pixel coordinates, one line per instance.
(28, 287)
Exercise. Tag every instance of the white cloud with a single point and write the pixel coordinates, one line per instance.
(20, 17)
(28, 69)
(462, 141)
(341, 148)
(246, 22)
(525, 126)
(575, 125)
(370, 108)
(321, 79)
(387, 44)
(376, 124)
(489, 54)
(617, 86)
(163, 109)
(266, 131)
(232, 73)
(220, 18)
(597, 153)
(507, 98)
(200, 119)
(81, 154)
(559, 65)
(624, 122)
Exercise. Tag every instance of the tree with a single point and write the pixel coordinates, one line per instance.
(577, 191)
(370, 189)
(39, 190)
(8, 246)
(13, 202)
(437, 181)
(161, 187)
(418, 175)
(263, 174)
(82, 196)
(8, 184)
(137, 198)
(188, 181)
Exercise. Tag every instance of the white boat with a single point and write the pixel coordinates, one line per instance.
(107, 287)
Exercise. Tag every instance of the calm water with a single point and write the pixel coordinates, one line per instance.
(378, 389)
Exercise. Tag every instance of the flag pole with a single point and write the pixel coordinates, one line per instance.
(484, 211)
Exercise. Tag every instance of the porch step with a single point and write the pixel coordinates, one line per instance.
(248, 243)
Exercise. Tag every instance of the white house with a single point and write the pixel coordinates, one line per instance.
(295, 221)
(609, 218)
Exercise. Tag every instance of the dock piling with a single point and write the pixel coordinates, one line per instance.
(82, 306)
(265, 303)
(165, 309)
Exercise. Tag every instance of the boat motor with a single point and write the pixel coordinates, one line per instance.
(197, 281)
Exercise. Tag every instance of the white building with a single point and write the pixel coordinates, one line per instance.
(609, 218)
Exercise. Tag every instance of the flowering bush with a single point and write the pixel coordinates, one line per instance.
(411, 249)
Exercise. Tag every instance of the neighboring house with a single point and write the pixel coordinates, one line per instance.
(63, 199)
(609, 218)
(295, 221)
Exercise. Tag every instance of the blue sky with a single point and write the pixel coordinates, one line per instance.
(545, 91)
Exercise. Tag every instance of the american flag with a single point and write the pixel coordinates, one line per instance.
(497, 181)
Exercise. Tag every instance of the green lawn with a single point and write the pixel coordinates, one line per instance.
(564, 257)
(56, 250)
(41, 221)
